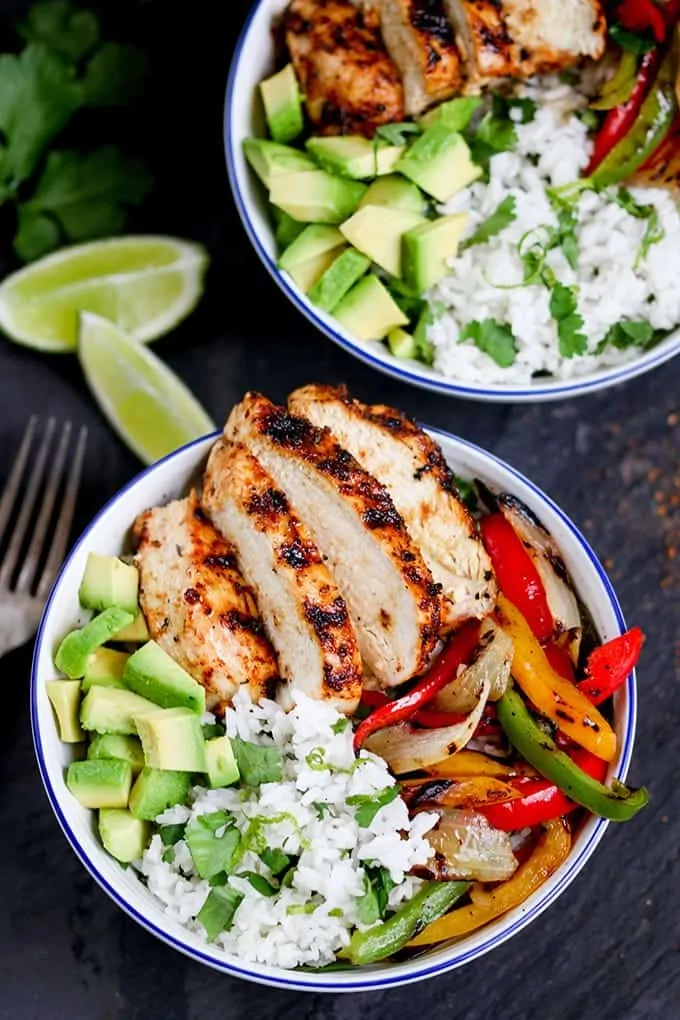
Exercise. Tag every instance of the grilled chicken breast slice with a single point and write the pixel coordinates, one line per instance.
(350, 82)
(420, 40)
(303, 611)
(197, 605)
(413, 469)
(390, 593)
(486, 47)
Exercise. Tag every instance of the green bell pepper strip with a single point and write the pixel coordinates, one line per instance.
(383, 940)
(651, 127)
(617, 802)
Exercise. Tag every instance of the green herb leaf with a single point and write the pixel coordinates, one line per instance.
(171, 834)
(301, 908)
(212, 730)
(631, 41)
(275, 860)
(654, 233)
(217, 913)
(493, 338)
(85, 195)
(67, 31)
(626, 334)
(340, 725)
(370, 803)
(397, 134)
(368, 910)
(424, 346)
(259, 883)
(564, 310)
(257, 764)
(213, 842)
(168, 855)
(466, 492)
(502, 216)
(321, 808)
(382, 884)
(114, 76)
(567, 240)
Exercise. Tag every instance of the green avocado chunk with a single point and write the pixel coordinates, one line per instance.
(153, 674)
(100, 784)
(395, 191)
(282, 105)
(108, 582)
(154, 790)
(172, 739)
(368, 310)
(315, 239)
(286, 229)
(376, 230)
(134, 633)
(125, 837)
(439, 162)
(426, 250)
(104, 667)
(456, 114)
(340, 276)
(315, 196)
(113, 710)
(64, 696)
(118, 745)
(75, 649)
(402, 344)
(221, 762)
(271, 159)
(353, 155)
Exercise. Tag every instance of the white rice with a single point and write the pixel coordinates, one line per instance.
(329, 878)
(552, 150)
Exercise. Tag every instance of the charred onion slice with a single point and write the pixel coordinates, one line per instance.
(467, 847)
(492, 661)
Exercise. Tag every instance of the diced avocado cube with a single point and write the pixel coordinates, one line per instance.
(153, 674)
(286, 229)
(270, 159)
(107, 582)
(282, 105)
(455, 115)
(117, 745)
(222, 767)
(105, 667)
(112, 710)
(353, 155)
(154, 791)
(401, 343)
(315, 239)
(134, 633)
(426, 250)
(172, 739)
(340, 276)
(307, 273)
(394, 191)
(100, 784)
(315, 196)
(376, 230)
(75, 649)
(65, 698)
(439, 162)
(125, 837)
(368, 311)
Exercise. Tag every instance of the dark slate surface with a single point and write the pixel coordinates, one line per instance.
(608, 949)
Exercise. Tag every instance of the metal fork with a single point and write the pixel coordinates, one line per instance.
(23, 589)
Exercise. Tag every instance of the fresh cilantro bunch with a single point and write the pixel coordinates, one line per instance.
(65, 67)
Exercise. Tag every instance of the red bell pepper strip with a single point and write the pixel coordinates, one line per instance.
(442, 671)
(640, 15)
(517, 576)
(559, 659)
(541, 800)
(610, 664)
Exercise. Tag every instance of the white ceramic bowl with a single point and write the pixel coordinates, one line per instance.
(108, 533)
(252, 61)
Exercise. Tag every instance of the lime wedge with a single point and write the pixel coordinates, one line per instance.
(147, 405)
(146, 285)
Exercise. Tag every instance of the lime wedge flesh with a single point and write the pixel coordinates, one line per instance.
(146, 285)
(146, 403)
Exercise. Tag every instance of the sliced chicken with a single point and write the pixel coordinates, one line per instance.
(413, 469)
(390, 593)
(350, 82)
(303, 611)
(520, 38)
(197, 605)
(420, 40)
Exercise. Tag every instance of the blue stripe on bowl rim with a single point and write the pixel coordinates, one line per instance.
(298, 982)
(387, 363)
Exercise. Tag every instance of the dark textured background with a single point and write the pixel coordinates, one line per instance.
(608, 949)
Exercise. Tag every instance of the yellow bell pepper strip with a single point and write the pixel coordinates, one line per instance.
(553, 696)
(474, 763)
(468, 792)
(551, 850)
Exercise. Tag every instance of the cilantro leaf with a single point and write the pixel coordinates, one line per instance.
(424, 346)
(70, 33)
(213, 842)
(257, 764)
(217, 913)
(502, 216)
(80, 196)
(466, 493)
(396, 134)
(382, 884)
(566, 238)
(497, 130)
(368, 910)
(170, 834)
(492, 338)
(275, 860)
(654, 232)
(625, 334)
(114, 76)
(340, 725)
(370, 803)
(321, 808)
(259, 883)
(564, 310)
(38, 96)
(211, 730)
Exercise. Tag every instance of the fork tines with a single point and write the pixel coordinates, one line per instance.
(43, 468)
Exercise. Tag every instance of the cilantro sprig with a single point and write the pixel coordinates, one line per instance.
(503, 215)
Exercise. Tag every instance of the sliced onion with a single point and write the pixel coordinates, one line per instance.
(406, 748)
(548, 561)
(467, 847)
(492, 662)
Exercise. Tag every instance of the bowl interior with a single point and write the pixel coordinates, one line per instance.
(108, 533)
(253, 60)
